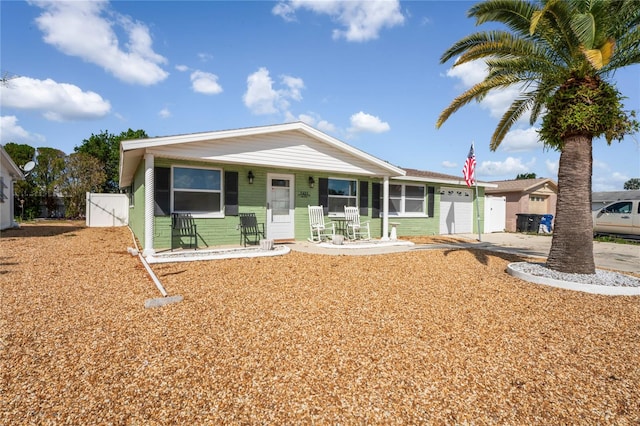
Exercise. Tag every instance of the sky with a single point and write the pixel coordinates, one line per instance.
(365, 72)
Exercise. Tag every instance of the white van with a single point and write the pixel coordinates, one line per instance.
(621, 217)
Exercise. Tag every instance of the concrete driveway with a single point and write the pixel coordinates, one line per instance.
(619, 257)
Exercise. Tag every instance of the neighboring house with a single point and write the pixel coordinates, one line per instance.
(526, 196)
(9, 173)
(276, 172)
(601, 199)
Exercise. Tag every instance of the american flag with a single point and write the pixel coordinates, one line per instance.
(468, 171)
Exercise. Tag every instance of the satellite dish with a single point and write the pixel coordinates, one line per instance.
(29, 166)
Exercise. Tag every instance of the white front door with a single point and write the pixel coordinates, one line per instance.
(280, 207)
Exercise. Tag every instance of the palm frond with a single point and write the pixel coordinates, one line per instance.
(513, 114)
(514, 14)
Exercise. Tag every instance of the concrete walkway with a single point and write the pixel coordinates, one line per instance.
(618, 257)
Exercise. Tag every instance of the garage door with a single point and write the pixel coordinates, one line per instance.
(456, 211)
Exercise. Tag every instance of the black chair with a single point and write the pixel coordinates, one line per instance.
(183, 225)
(250, 229)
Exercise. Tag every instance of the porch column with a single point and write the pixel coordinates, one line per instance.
(149, 203)
(385, 209)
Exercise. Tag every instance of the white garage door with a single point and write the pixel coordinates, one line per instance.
(456, 211)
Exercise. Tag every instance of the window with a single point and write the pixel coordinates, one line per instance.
(623, 207)
(132, 195)
(341, 193)
(196, 190)
(406, 200)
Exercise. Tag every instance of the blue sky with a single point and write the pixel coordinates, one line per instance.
(365, 72)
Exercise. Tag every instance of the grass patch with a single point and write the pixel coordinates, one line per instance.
(615, 239)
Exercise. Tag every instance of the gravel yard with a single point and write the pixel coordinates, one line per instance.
(427, 336)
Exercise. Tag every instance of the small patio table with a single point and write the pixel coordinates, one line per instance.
(341, 225)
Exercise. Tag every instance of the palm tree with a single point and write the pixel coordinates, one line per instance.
(560, 52)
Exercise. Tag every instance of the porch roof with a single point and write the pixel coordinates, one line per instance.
(435, 177)
(296, 146)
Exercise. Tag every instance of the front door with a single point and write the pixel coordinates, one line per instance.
(280, 207)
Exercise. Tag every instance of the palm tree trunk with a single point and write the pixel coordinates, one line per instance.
(572, 243)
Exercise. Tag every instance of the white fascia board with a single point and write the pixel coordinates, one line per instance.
(252, 131)
(444, 181)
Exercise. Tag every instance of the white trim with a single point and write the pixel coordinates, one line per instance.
(440, 180)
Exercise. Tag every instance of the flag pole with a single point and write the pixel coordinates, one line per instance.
(469, 174)
(477, 198)
(478, 211)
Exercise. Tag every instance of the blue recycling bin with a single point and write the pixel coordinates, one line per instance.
(545, 221)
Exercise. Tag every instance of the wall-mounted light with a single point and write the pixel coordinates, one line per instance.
(250, 176)
(311, 182)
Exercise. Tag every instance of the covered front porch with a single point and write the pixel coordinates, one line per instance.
(273, 172)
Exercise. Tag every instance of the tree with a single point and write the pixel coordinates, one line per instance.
(560, 53)
(47, 174)
(82, 173)
(24, 190)
(106, 148)
(526, 176)
(633, 183)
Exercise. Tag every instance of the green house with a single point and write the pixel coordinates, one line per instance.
(275, 172)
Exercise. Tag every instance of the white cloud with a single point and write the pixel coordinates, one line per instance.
(182, 68)
(362, 122)
(509, 167)
(85, 29)
(313, 120)
(552, 168)
(470, 73)
(449, 164)
(361, 20)
(261, 97)
(204, 82)
(326, 126)
(609, 181)
(521, 140)
(56, 101)
(164, 113)
(11, 131)
(294, 85)
(497, 101)
(205, 57)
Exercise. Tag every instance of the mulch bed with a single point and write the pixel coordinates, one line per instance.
(427, 336)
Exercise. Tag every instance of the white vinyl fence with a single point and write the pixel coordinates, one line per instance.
(105, 210)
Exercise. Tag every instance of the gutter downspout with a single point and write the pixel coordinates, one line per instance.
(149, 203)
(385, 209)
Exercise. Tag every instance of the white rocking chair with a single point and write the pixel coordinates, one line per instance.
(319, 229)
(355, 228)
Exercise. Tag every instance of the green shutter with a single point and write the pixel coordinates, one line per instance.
(430, 200)
(323, 194)
(231, 193)
(162, 191)
(375, 199)
(364, 198)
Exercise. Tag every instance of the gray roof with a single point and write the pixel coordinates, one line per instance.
(611, 196)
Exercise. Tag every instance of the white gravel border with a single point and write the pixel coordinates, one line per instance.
(215, 254)
(365, 244)
(602, 282)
